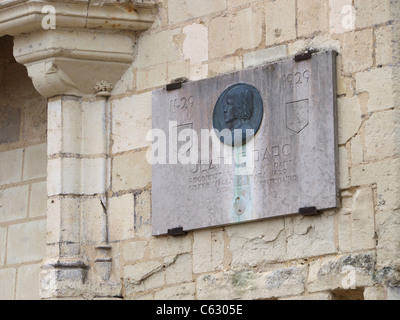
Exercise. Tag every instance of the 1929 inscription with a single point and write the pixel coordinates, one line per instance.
(283, 159)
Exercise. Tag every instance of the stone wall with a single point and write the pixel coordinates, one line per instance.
(356, 246)
(23, 196)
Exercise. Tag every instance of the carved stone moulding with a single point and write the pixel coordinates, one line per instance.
(90, 42)
(25, 16)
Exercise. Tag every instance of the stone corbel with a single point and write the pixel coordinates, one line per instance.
(75, 64)
(87, 45)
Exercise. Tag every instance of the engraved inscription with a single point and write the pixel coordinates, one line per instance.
(298, 78)
(181, 103)
(297, 115)
(184, 134)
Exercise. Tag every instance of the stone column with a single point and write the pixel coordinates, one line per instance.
(77, 184)
(75, 64)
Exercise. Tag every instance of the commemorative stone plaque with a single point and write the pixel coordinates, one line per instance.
(245, 146)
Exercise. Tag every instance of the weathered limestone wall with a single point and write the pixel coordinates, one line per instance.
(23, 163)
(355, 246)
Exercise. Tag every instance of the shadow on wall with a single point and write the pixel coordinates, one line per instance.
(23, 112)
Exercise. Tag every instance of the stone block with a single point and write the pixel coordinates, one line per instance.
(230, 33)
(382, 132)
(341, 272)
(342, 16)
(255, 58)
(393, 293)
(26, 242)
(134, 250)
(143, 214)
(151, 77)
(38, 200)
(158, 48)
(246, 29)
(3, 237)
(256, 243)
(180, 271)
(286, 281)
(54, 114)
(180, 292)
(198, 71)
(386, 175)
(63, 220)
(219, 32)
(94, 129)
(279, 29)
(125, 84)
(183, 10)
(168, 246)
(237, 3)
(248, 285)
(195, 45)
(219, 286)
(76, 176)
(35, 119)
(28, 282)
(7, 283)
(384, 48)
(70, 131)
(11, 166)
(357, 150)
(131, 171)
(310, 236)
(343, 168)
(143, 276)
(349, 118)
(344, 84)
(356, 223)
(321, 43)
(121, 220)
(380, 96)
(35, 164)
(374, 293)
(387, 229)
(14, 203)
(208, 251)
(154, 281)
(311, 297)
(225, 65)
(372, 12)
(10, 123)
(357, 51)
(54, 177)
(312, 17)
(93, 221)
(178, 70)
(131, 120)
(93, 176)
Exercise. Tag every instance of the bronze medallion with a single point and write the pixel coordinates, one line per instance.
(238, 114)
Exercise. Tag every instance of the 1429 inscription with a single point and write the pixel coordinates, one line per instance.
(181, 103)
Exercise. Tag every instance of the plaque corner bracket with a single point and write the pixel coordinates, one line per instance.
(176, 232)
(309, 211)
